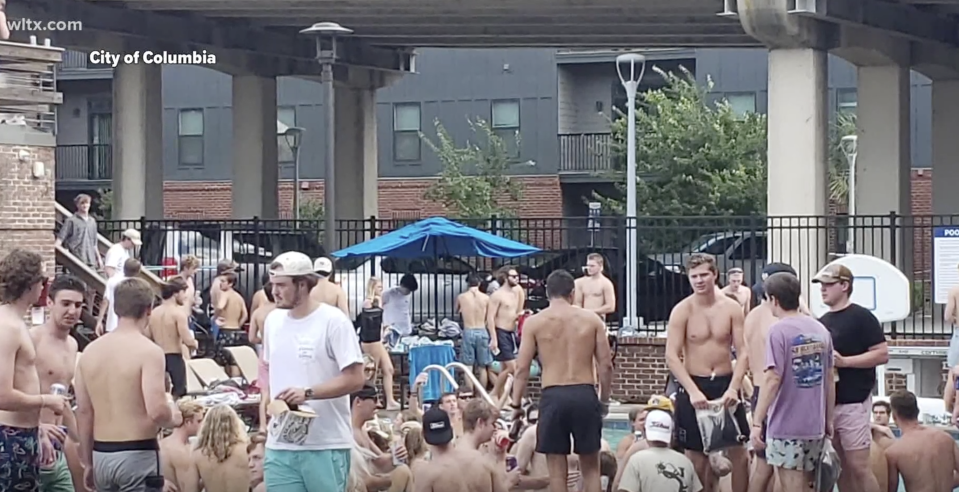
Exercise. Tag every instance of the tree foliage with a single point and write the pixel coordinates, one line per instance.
(693, 157)
(474, 182)
(845, 124)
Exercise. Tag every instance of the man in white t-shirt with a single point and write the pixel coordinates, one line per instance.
(396, 305)
(658, 468)
(120, 252)
(312, 358)
(130, 269)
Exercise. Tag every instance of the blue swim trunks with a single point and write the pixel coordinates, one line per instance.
(19, 459)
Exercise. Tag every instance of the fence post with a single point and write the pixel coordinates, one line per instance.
(894, 255)
(372, 235)
(256, 251)
(493, 224)
(141, 229)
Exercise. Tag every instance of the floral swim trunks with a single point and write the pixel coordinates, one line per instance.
(20, 458)
(794, 454)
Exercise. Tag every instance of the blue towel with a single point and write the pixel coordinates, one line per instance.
(425, 355)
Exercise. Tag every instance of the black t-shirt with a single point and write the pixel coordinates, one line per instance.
(853, 331)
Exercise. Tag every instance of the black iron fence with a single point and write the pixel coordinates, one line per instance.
(663, 246)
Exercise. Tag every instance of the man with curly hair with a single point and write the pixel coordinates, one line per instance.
(21, 399)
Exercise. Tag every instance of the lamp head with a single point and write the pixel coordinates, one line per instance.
(848, 144)
(293, 136)
(326, 29)
(630, 67)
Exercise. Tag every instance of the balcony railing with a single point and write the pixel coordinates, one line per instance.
(76, 60)
(586, 153)
(28, 87)
(90, 162)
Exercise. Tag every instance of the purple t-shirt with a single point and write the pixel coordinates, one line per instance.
(799, 350)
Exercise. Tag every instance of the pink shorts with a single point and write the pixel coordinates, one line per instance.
(852, 425)
(262, 371)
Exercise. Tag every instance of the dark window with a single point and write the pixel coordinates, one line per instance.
(505, 116)
(190, 137)
(407, 124)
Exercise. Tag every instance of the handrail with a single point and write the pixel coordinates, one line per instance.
(81, 270)
(472, 379)
(443, 372)
(104, 244)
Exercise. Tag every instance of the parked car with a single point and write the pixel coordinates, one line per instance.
(743, 249)
(658, 288)
(253, 251)
(440, 281)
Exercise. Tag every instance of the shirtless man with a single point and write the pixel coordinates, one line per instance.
(477, 335)
(701, 331)
(743, 294)
(231, 313)
(882, 438)
(951, 316)
(534, 472)
(56, 363)
(170, 330)
(927, 458)
(261, 296)
(222, 464)
(567, 339)
(264, 308)
(756, 328)
(222, 268)
(501, 314)
(176, 450)
(453, 469)
(327, 292)
(189, 265)
(121, 402)
(21, 396)
(594, 292)
(384, 474)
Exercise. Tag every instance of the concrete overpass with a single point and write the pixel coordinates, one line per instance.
(256, 41)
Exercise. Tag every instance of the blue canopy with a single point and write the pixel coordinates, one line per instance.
(437, 236)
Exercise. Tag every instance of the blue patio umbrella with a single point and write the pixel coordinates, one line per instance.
(438, 236)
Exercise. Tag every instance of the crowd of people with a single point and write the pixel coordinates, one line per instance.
(809, 384)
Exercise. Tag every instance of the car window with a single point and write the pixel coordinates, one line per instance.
(717, 246)
(201, 244)
(751, 248)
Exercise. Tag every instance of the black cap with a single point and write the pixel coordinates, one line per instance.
(436, 427)
(774, 268)
(367, 392)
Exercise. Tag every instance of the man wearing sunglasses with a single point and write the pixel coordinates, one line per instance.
(22, 282)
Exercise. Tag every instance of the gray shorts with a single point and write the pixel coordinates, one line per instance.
(127, 466)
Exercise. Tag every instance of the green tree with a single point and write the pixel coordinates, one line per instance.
(104, 204)
(845, 124)
(693, 157)
(474, 182)
(311, 209)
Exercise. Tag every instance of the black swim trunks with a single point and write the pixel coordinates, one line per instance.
(506, 342)
(569, 411)
(753, 402)
(19, 459)
(687, 427)
(176, 368)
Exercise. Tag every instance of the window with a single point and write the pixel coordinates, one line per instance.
(190, 137)
(406, 132)
(846, 100)
(741, 102)
(285, 118)
(506, 124)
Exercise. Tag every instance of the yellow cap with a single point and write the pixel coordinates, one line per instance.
(658, 402)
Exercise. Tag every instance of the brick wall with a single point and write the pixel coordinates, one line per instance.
(27, 216)
(402, 198)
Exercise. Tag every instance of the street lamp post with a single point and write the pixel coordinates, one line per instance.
(630, 67)
(293, 137)
(849, 146)
(326, 34)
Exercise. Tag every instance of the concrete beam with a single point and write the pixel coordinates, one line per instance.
(935, 61)
(897, 18)
(241, 49)
(769, 22)
(426, 31)
(592, 41)
(871, 47)
(275, 6)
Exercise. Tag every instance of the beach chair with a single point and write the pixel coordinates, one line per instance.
(246, 360)
(207, 372)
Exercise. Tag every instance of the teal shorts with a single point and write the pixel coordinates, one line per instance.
(306, 471)
(58, 478)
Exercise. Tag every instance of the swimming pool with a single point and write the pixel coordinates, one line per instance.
(615, 428)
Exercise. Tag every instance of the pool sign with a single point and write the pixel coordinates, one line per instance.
(594, 211)
(945, 262)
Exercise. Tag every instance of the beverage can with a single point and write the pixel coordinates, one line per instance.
(502, 440)
(396, 460)
(58, 389)
(511, 463)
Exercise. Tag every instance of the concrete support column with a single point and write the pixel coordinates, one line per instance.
(137, 142)
(255, 161)
(356, 164)
(883, 182)
(798, 124)
(945, 146)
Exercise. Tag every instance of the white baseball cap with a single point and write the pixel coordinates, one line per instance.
(134, 236)
(291, 264)
(323, 265)
(659, 427)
